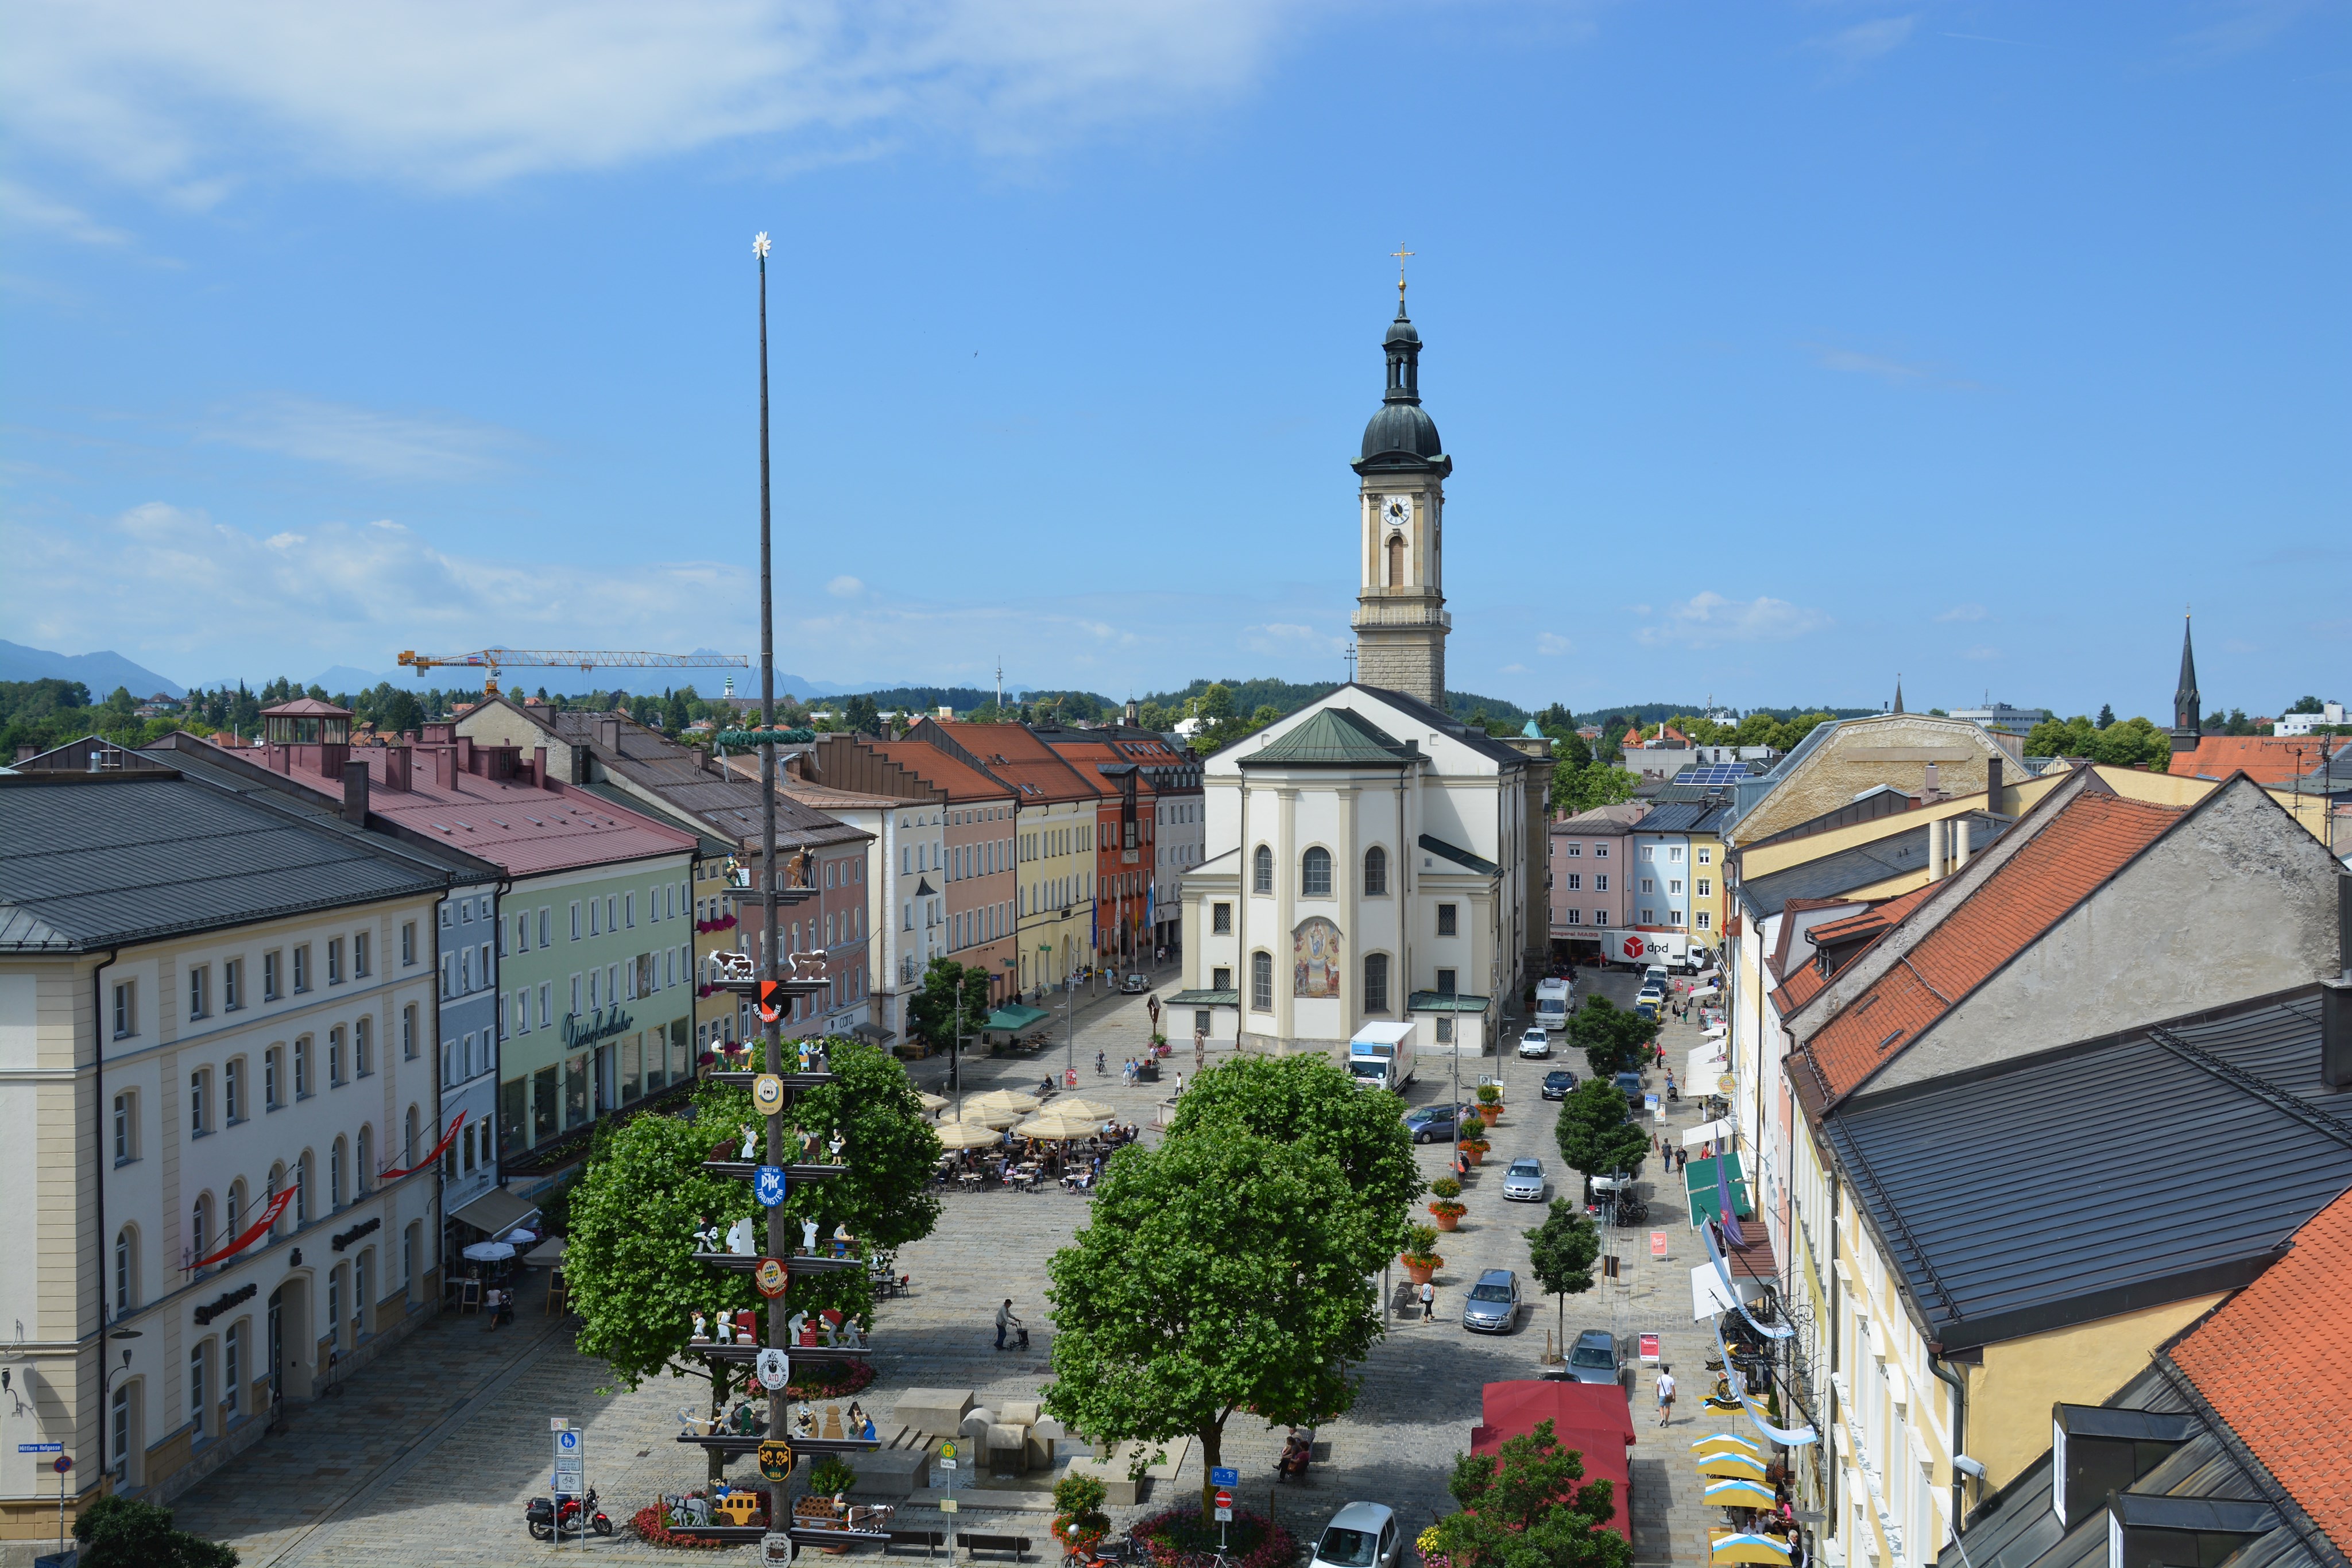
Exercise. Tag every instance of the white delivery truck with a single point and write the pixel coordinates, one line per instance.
(1381, 1056)
(1551, 1004)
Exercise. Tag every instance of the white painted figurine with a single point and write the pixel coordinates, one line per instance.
(750, 1141)
(726, 1329)
(701, 1327)
(794, 1325)
(739, 1238)
(834, 1147)
(808, 1237)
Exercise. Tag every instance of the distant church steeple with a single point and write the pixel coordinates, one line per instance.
(1898, 693)
(1401, 622)
(2187, 720)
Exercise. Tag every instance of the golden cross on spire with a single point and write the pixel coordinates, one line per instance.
(1400, 253)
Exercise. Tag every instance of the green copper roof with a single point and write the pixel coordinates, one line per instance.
(1332, 737)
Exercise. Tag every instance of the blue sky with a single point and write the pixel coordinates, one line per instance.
(1780, 348)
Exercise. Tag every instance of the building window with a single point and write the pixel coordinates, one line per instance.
(1649, 852)
(1262, 871)
(1446, 982)
(1262, 982)
(232, 984)
(1572, 850)
(335, 1176)
(408, 1032)
(1649, 885)
(1706, 920)
(1376, 983)
(1706, 887)
(1600, 851)
(361, 1165)
(1649, 917)
(200, 986)
(1572, 881)
(269, 978)
(232, 1367)
(200, 1106)
(301, 967)
(1673, 851)
(629, 909)
(233, 1090)
(363, 1047)
(335, 1055)
(302, 1068)
(1673, 885)
(126, 1009)
(304, 1170)
(334, 960)
(575, 921)
(1449, 922)
(126, 1271)
(1674, 917)
(1314, 873)
(1376, 872)
(196, 1390)
(1600, 882)
(545, 912)
(119, 1436)
(1573, 917)
(1706, 855)
(408, 943)
(1445, 1031)
(273, 1067)
(126, 1127)
(1221, 979)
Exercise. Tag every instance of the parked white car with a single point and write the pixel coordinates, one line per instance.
(1536, 1042)
(1360, 1535)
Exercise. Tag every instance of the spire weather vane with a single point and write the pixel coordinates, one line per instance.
(1400, 254)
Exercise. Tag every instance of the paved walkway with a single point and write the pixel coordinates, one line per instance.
(430, 1454)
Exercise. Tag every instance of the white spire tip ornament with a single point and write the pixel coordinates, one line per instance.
(759, 244)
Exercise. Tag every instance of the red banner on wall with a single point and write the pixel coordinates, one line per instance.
(252, 1232)
(432, 1155)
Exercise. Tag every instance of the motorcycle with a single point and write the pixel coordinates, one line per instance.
(540, 1516)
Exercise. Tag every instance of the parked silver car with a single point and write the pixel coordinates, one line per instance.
(1525, 1182)
(1360, 1535)
(1493, 1306)
(1594, 1357)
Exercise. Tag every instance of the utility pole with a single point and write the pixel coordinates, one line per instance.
(779, 1246)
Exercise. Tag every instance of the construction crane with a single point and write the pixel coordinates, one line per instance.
(495, 659)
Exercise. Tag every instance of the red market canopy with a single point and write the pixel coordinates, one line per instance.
(1592, 1417)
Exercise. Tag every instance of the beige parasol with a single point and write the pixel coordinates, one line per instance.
(931, 1102)
(982, 1116)
(1088, 1110)
(1058, 1123)
(967, 1135)
(1003, 1100)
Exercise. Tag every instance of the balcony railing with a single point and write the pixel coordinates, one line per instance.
(1400, 616)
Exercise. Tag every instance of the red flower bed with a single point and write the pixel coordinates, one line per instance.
(1253, 1541)
(860, 1374)
(648, 1523)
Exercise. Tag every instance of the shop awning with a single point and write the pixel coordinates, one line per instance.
(496, 1212)
(1014, 1015)
(1713, 1133)
(1704, 1063)
(1698, 1187)
(1232, 998)
(1709, 1298)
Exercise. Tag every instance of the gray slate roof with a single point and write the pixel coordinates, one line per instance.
(136, 856)
(1684, 817)
(1478, 740)
(1895, 855)
(726, 804)
(2116, 1170)
(1459, 855)
(1332, 737)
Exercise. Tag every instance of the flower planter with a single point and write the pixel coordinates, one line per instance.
(1419, 1273)
(1447, 1216)
(1474, 1156)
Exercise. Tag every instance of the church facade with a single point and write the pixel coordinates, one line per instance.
(1368, 857)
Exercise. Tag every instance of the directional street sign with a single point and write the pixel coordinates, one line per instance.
(1223, 1476)
(40, 1447)
(571, 1462)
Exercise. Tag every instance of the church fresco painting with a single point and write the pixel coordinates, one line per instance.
(1314, 958)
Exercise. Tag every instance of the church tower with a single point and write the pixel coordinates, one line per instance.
(2188, 723)
(1399, 619)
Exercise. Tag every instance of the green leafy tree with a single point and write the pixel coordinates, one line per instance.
(860, 715)
(2309, 704)
(1561, 1253)
(124, 1532)
(1214, 706)
(1308, 1102)
(1594, 1136)
(1220, 1273)
(1522, 1508)
(631, 1264)
(1614, 1039)
(2107, 717)
(1582, 786)
(952, 1006)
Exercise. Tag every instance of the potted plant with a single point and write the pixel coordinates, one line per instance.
(1419, 1258)
(1447, 1209)
(1474, 1140)
(1490, 1103)
(1079, 1523)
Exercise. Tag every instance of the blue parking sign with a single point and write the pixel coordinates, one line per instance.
(1219, 1476)
(768, 1184)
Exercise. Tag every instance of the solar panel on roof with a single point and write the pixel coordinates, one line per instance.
(1712, 773)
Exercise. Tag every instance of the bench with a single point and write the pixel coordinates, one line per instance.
(1017, 1546)
(926, 1539)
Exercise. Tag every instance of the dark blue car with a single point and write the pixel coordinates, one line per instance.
(1557, 1082)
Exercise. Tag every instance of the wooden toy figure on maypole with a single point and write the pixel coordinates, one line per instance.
(773, 1089)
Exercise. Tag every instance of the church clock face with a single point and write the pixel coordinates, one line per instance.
(1397, 511)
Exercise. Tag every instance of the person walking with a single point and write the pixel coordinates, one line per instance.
(1666, 1395)
(1428, 1301)
(1003, 1320)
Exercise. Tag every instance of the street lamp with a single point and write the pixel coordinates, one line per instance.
(105, 1387)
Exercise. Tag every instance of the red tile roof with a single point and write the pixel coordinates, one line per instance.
(1012, 753)
(2088, 841)
(2272, 1363)
(938, 768)
(1803, 984)
(1878, 918)
(2265, 759)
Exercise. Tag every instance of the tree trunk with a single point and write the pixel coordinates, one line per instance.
(1211, 1456)
(714, 1457)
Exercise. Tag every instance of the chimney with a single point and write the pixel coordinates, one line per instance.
(445, 766)
(1960, 844)
(580, 766)
(1935, 848)
(1992, 783)
(396, 769)
(701, 759)
(355, 793)
(2335, 1033)
(1931, 791)
(538, 767)
(608, 733)
(465, 754)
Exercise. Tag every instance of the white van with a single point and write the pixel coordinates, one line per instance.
(1551, 1004)
(1381, 1056)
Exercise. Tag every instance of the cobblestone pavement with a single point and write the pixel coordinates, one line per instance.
(430, 1455)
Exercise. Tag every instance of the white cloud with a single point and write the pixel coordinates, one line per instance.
(428, 446)
(1859, 45)
(1705, 620)
(1963, 613)
(845, 588)
(467, 93)
(1512, 670)
(1553, 643)
(24, 207)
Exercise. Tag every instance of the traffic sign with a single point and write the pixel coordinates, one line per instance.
(62, 1463)
(768, 1186)
(948, 1453)
(40, 1447)
(1224, 1476)
(570, 1464)
(1223, 1499)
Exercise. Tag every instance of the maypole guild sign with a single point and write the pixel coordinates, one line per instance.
(602, 1024)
